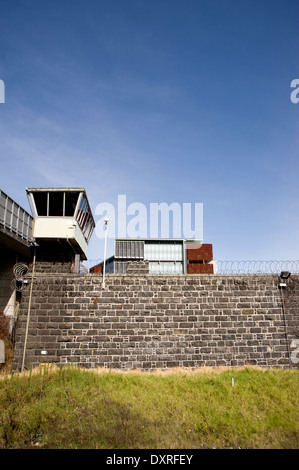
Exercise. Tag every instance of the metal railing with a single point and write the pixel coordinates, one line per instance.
(14, 218)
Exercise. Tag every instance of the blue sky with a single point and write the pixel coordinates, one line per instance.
(162, 101)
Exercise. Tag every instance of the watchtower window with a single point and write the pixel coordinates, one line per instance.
(41, 203)
(85, 219)
(71, 199)
(56, 203)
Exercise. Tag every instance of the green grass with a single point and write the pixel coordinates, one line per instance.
(75, 408)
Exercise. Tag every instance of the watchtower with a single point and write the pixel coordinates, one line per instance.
(63, 224)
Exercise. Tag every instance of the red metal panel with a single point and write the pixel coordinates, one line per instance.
(202, 252)
(199, 268)
(96, 269)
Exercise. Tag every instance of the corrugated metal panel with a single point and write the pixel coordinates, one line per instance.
(110, 267)
(161, 251)
(165, 268)
(120, 267)
(131, 249)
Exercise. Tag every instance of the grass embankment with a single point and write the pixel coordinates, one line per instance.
(73, 408)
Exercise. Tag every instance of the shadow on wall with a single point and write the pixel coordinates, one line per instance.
(6, 344)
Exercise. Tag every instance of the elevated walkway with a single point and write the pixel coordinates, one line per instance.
(15, 243)
(15, 226)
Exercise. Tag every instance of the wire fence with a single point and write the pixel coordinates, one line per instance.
(89, 264)
(232, 266)
(257, 266)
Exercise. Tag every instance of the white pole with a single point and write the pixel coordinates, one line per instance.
(28, 313)
(105, 248)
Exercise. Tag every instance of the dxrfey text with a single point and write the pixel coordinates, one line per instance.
(154, 459)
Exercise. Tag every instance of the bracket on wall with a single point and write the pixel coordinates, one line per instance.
(284, 275)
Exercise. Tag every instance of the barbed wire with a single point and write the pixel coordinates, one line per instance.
(83, 269)
(87, 264)
(19, 270)
(236, 266)
(257, 266)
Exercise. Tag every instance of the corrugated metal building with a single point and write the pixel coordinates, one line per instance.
(164, 256)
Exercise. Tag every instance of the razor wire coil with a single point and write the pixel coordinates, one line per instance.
(19, 270)
(257, 266)
(236, 267)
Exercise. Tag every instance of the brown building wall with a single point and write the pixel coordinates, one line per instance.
(203, 252)
(200, 268)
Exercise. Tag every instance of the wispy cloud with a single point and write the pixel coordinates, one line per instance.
(97, 154)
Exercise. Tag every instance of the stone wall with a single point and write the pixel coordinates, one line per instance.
(147, 322)
(52, 259)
